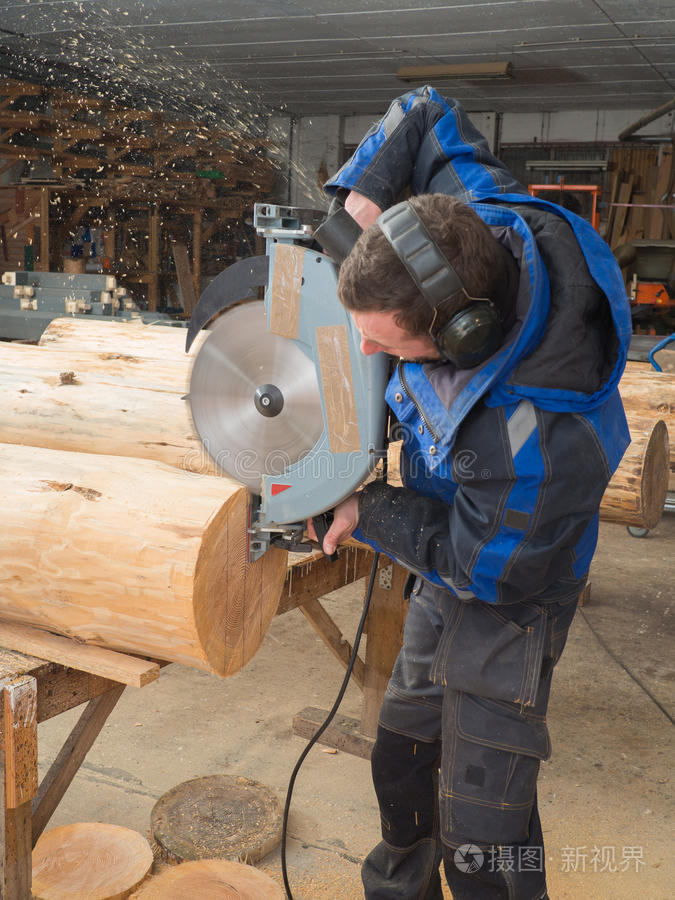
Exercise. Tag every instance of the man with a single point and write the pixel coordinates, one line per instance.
(505, 461)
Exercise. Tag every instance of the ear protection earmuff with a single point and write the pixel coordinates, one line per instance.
(474, 333)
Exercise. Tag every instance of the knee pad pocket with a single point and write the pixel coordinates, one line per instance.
(489, 771)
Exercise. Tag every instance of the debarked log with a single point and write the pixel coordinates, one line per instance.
(637, 491)
(112, 367)
(86, 407)
(124, 336)
(133, 555)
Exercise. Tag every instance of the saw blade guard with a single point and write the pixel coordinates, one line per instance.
(303, 307)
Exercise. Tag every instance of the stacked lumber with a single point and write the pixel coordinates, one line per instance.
(640, 204)
(118, 531)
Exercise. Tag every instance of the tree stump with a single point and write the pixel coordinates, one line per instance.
(210, 879)
(217, 816)
(89, 861)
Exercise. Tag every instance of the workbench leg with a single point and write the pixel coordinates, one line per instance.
(17, 872)
(65, 766)
(386, 618)
(19, 785)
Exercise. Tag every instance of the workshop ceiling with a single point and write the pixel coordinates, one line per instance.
(310, 57)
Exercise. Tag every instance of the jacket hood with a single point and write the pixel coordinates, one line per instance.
(579, 311)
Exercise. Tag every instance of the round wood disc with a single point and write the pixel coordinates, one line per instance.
(89, 861)
(217, 817)
(210, 879)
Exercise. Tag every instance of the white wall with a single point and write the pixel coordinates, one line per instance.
(584, 125)
(316, 142)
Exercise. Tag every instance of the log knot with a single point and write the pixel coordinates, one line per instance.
(87, 493)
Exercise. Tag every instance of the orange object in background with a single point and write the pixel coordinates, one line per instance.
(561, 188)
(649, 292)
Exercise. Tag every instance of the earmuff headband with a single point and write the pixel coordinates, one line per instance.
(428, 266)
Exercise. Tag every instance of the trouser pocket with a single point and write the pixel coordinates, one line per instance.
(489, 769)
(493, 652)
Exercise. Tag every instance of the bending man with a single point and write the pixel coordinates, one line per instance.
(511, 324)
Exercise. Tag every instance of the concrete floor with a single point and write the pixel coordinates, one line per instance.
(605, 795)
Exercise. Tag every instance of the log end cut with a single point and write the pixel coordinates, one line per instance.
(89, 861)
(234, 601)
(655, 480)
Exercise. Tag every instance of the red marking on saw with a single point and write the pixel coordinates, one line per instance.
(278, 489)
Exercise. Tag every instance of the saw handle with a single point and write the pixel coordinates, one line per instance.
(322, 523)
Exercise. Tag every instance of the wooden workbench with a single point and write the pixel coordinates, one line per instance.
(311, 577)
(34, 689)
(31, 691)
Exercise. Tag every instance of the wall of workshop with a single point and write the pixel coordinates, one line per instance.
(317, 144)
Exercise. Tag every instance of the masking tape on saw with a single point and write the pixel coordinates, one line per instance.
(285, 290)
(338, 388)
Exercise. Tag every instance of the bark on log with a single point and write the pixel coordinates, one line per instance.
(133, 555)
(130, 337)
(82, 409)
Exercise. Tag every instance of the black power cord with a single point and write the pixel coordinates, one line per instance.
(327, 721)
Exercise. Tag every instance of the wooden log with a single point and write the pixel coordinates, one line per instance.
(82, 409)
(648, 396)
(216, 817)
(89, 859)
(124, 336)
(133, 555)
(67, 365)
(637, 492)
(210, 879)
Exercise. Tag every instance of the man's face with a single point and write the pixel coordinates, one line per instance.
(381, 334)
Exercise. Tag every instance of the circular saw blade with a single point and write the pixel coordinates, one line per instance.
(240, 357)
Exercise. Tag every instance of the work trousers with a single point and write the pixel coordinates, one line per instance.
(461, 735)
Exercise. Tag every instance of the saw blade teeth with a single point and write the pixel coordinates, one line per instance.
(239, 356)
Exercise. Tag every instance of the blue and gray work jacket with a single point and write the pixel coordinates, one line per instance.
(503, 466)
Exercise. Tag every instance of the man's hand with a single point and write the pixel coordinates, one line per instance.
(362, 209)
(345, 520)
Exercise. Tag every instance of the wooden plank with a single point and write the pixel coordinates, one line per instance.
(625, 192)
(310, 579)
(332, 637)
(85, 657)
(184, 276)
(386, 618)
(197, 251)
(19, 699)
(70, 758)
(343, 733)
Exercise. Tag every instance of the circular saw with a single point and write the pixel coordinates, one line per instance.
(280, 394)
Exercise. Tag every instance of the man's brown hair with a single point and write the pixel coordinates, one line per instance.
(373, 278)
